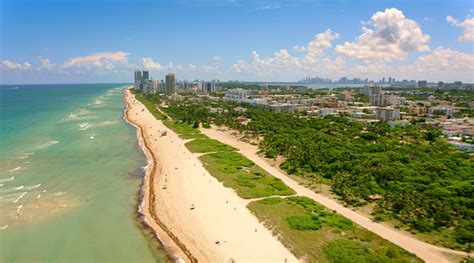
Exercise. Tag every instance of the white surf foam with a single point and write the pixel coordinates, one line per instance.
(3, 227)
(9, 179)
(84, 126)
(14, 169)
(46, 144)
(59, 193)
(20, 197)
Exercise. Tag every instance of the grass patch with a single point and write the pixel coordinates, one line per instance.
(308, 229)
(180, 128)
(193, 136)
(208, 145)
(242, 175)
(150, 105)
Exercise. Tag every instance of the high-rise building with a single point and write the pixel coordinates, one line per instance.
(422, 84)
(145, 75)
(138, 75)
(440, 84)
(208, 86)
(170, 84)
(457, 84)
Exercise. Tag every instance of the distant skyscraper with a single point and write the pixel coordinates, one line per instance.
(170, 84)
(457, 84)
(138, 75)
(422, 84)
(145, 75)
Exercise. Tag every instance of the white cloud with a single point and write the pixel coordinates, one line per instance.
(299, 48)
(441, 64)
(105, 60)
(283, 64)
(45, 64)
(217, 58)
(10, 65)
(149, 64)
(388, 36)
(467, 25)
(201, 69)
(315, 48)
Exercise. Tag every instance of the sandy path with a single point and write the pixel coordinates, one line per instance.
(180, 181)
(423, 250)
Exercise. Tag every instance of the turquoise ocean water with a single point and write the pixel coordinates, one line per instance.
(70, 172)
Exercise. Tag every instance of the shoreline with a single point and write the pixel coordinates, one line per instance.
(146, 200)
(208, 219)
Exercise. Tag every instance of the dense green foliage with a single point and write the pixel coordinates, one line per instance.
(411, 173)
(242, 175)
(310, 230)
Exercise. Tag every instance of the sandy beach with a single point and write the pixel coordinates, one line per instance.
(220, 228)
(425, 251)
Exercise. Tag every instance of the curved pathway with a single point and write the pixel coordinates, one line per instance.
(425, 251)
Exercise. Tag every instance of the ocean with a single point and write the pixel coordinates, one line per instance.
(70, 175)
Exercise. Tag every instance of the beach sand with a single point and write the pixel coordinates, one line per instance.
(220, 228)
(425, 251)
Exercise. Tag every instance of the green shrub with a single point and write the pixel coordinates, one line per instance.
(304, 222)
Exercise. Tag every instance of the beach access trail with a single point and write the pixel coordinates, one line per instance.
(425, 251)
(194, 215)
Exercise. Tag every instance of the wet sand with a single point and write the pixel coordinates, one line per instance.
(219, 228)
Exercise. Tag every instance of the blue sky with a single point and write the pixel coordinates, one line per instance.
(73, 41)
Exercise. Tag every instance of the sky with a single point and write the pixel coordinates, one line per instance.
(95, 41)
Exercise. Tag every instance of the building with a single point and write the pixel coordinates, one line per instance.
(208, 86)
(138, 76)
(142, 82)
(457, 84)
(170, 84)
(371, 90)
(345, 96)
(161, 87)
(325, 112)
(440, 84)
(442, 110)
(236, 95)
(145, 75)
(422, 84)
(383, 100)
(387, 114)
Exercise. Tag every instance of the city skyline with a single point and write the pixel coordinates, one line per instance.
(248, 41)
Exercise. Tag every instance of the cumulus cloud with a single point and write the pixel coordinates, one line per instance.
(282, 63)
(150, 64)
(299, 48)
(14, 66)
(315, 48)
(442, 63)
(45, 64)
(105, 60)
(467, 25)
(388, 36)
